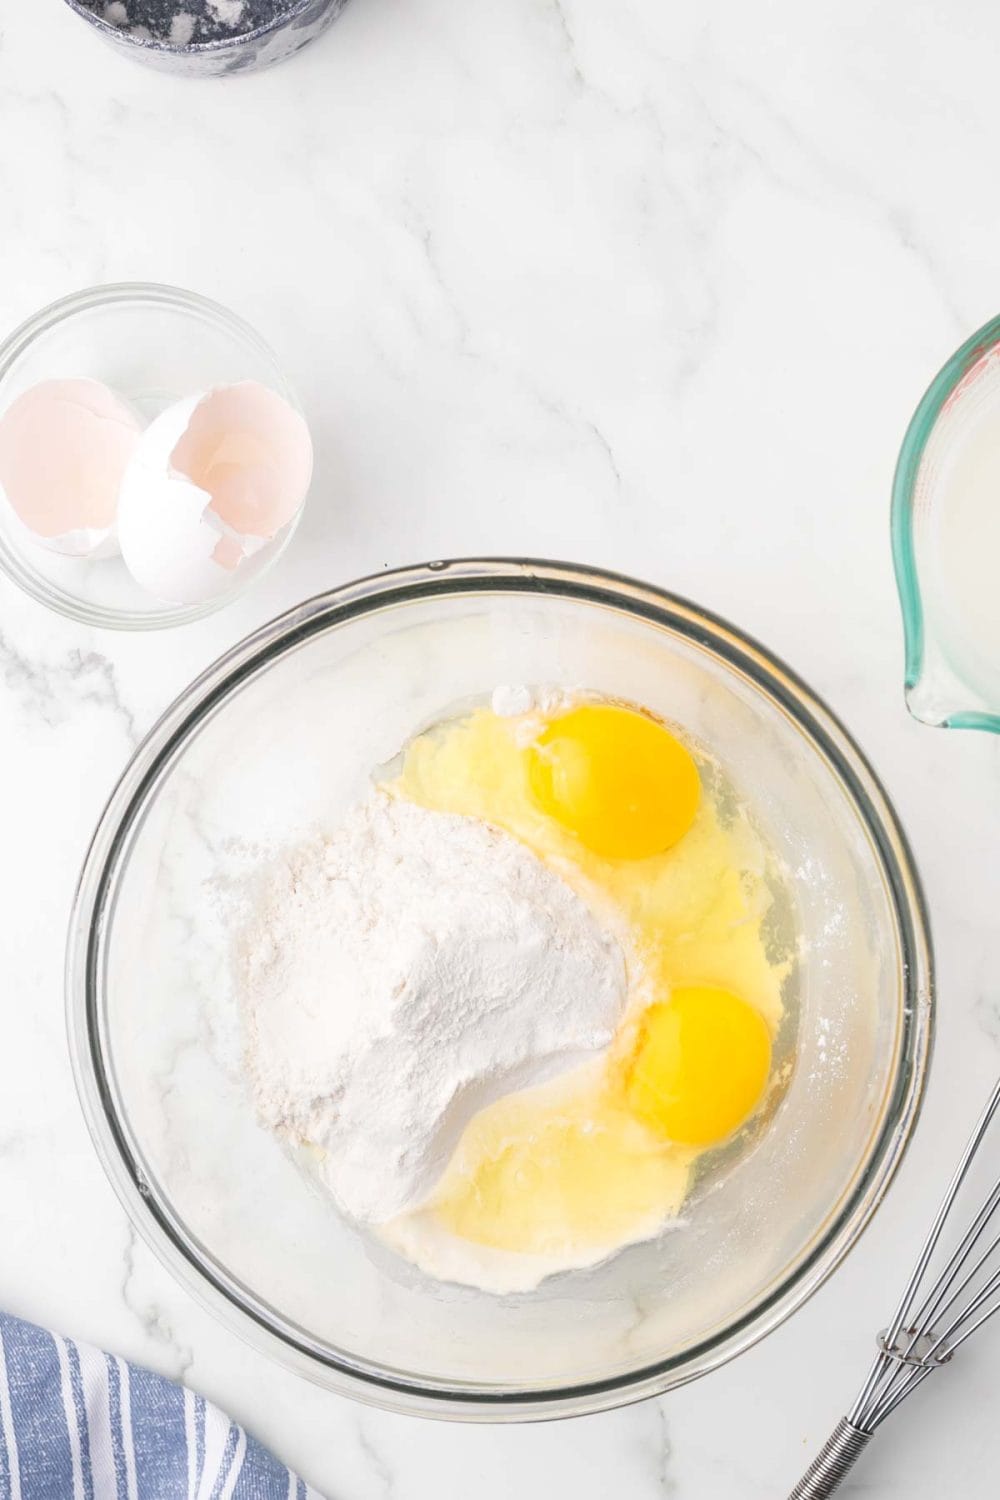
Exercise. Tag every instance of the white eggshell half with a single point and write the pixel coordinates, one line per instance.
(252, 451)
(93, 544)
(166, 538)
(173, 540)
(64, 445)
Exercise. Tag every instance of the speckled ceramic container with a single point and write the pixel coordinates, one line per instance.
(212, 51)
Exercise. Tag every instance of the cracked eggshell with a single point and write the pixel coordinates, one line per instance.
(167, 533)
(213, 482)
(64, 447)
(252, 452)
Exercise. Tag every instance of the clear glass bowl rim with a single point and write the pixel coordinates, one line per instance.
(86, 300)
(904, 483)
(107, 857)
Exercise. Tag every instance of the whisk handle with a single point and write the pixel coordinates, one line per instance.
(833, 1463)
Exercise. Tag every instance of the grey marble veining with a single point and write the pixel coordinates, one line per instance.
(649, 286)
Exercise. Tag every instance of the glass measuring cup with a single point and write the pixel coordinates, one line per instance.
(946, 541)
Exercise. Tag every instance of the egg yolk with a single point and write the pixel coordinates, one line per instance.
(617, 780)
(700, 1065)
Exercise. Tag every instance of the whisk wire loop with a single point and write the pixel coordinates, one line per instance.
(933, 1318)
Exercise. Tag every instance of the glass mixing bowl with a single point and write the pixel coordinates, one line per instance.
(276, 740)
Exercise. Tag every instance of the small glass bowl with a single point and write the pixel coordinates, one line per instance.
(153, 345)
(945, 533)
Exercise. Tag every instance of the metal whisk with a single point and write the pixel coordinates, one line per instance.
(938, 1311)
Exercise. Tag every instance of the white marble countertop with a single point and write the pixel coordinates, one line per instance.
(655, 287)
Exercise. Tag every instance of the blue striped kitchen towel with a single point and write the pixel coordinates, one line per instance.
(76, 1424)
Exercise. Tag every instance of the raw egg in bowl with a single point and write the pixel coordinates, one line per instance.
(781, 1053)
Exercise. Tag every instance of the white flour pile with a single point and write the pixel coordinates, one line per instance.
(402, 975)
